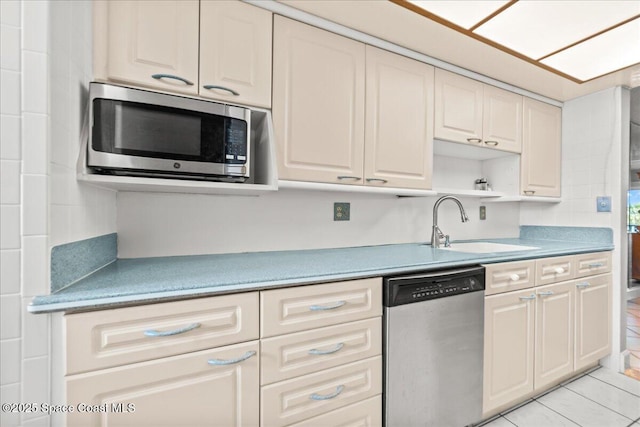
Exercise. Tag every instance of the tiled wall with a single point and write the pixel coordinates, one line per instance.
(45, 63)
(592, 149)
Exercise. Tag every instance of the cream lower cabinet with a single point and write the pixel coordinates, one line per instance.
(538, 336)
(165, 364)
(204, 388)
(321, 355)
(332, 127)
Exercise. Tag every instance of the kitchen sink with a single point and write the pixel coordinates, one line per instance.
(486, 247)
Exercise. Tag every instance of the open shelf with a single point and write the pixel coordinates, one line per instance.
(318, 186)
(537, 199)
(469, 193)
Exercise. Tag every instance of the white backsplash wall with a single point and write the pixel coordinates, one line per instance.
(154, 224)
(593, 151)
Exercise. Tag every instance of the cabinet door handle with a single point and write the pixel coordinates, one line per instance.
(492, 143)
(530, 297)
(476, 140)
(316, 396)
(383, 181)
(154, 333)
(514, 277)
(355, 178)
(529, 192)
(231, 91)
(335, 349)
(171, 76)
(545, 293)
(559, 270)
(222, 362)
(596, 265)
(331, 306)
(583, 285)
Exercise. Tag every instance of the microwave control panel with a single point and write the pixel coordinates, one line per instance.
(236, 142)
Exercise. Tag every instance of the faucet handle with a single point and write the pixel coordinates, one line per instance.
(447, 244)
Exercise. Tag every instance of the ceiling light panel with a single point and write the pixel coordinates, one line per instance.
(539, 28)
(610, 51)
(464, 14)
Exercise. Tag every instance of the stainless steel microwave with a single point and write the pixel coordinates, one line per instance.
(142, 133)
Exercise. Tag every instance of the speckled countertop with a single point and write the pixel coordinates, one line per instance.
(131, 281)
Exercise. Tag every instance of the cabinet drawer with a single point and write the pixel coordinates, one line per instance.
(367, 413)
(295, 400)
(509, 276)
(182, 390)
(307, 307)
(594, 263)
(555, 269)
(107, 338)
(301, 353)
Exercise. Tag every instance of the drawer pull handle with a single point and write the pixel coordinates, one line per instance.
(316, 396)
(380, 180)
(514, 277)
(231, 91)
(596, 265)
(583, 285)
(331, 306)
(545, 293)
(222, 362)
(559, 270)
(154, 333)
(335, 349)
(476, 140)
(171, 76)
(530, 297)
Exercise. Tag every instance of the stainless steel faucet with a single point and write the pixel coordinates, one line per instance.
(437, 236)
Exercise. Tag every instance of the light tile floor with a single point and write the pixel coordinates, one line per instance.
(602, 398)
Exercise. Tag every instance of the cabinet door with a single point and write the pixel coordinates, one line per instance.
(458, 108)
(593, 319)
(554, 333)
(235, 52)
(502, 119)
(399, 121)
(154, 38)
(541, 149)
(508, 347)
(181, 390)
(318, 104)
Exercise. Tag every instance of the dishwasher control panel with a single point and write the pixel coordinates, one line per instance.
(432, 285)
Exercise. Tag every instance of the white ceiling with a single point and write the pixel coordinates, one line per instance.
(401, 26)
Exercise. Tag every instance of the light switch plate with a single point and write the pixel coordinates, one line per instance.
(603, 203)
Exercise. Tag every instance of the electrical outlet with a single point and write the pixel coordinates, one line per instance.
(341, 211)
(603, 204)
(483, 213)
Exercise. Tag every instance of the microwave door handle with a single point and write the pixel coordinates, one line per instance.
(231, 91)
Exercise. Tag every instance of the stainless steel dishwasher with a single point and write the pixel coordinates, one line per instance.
(433, 348)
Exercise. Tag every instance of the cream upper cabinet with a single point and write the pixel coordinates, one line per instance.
(235, 52)
(216, 49)
(150, 43)
(554, 333)
(399, 121)
(593, 319)
(318, 104)
(471, 112)
(540, 163)
(509, 325)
